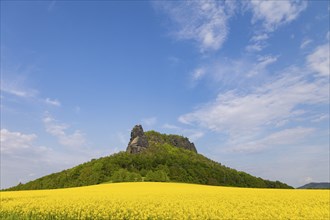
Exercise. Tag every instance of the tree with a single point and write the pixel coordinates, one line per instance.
(157, 176)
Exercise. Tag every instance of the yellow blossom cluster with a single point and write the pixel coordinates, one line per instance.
(146, 200)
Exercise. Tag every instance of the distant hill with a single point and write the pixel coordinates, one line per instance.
(315, 186)
(151, 156)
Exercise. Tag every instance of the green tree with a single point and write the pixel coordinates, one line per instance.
(157, 176)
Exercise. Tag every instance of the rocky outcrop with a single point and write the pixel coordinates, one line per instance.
(181, 142)
(172, 139)
(138, 141)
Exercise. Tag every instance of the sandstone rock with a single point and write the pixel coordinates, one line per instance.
(181, 142)
(138, 141)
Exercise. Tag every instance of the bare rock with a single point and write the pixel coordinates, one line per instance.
(181, 142)
(138, 141)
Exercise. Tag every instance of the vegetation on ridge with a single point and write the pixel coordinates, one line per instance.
(160, 162)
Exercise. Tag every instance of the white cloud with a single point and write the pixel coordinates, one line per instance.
(54, 102)
(53, 127)
(290, 136)
(15, 88)
(59, 130)
(266, 114)
(318, 61)
(260, 37)
(272, 104)
(261, 65)
(15, 141)
(17, 85)
(77, 139)
(305, 43)
(16, 82)
(233, 112)
(149, 121)
(21, 157)
(257, 42)
(255, 47)
(198, 73)
(171, 127)
(273, 14)
(320, 118)
(205, 22)
(18, 155)
(195, 135)
(266, 60)
(233, 73)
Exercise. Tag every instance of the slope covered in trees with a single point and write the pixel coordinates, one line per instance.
(160, 162)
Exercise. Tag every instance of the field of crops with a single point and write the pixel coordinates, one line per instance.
(165, 201)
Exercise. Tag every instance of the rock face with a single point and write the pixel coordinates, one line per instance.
(138, 141)
(182, 142)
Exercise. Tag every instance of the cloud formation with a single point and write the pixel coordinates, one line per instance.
(22, 159)
(262, 63)
(318, 61)
(305, 43)
(267, 16)
(17, 85)
(285, 137)
(59, 130)
(256, 117)
(204, 22)
(273, 14)
(17, 89)
(12, 142)
(198, 73)
(54, 102)
(257, 42)
(233, 72)
(267, 105)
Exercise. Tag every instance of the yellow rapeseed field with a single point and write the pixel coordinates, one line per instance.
(165, 201)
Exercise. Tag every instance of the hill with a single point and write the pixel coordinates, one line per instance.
(315, 186)
(151, 156)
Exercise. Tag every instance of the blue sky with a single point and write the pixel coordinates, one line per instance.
(247, 82)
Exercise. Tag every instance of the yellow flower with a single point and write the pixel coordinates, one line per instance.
(147, 200)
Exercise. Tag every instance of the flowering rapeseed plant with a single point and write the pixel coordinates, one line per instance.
(148, 200)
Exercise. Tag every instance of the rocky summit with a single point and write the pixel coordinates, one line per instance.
(171, 139)
(138, 141)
